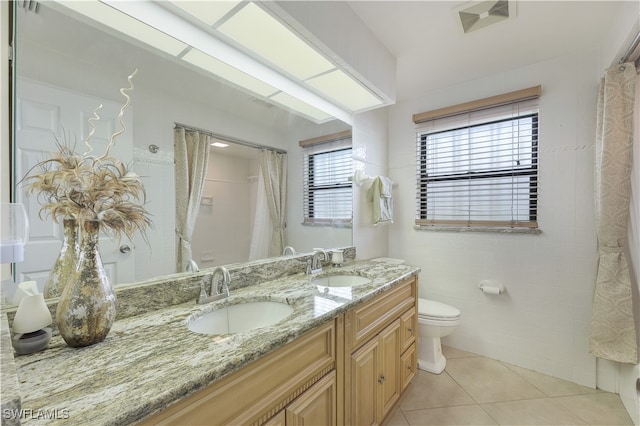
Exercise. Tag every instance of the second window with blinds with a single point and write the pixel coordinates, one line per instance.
(477, 164)
(327, 174)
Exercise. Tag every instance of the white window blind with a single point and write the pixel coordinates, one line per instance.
(327, 173)
(479, 168)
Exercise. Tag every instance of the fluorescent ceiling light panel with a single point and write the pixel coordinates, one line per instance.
(258, 31)
(151, 23)
(208, 12)
(229, 73)
(296, 104)
(127, 25)
(344, 90)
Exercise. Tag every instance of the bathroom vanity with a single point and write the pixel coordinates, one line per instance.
(344, 356)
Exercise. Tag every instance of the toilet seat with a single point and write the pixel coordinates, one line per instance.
(430, 309)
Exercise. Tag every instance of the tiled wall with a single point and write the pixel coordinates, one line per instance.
(542, 322)
(222, 233)
(370, 156)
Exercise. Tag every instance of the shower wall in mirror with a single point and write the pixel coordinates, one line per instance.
(78, 59)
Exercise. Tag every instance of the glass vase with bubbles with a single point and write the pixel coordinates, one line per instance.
(87, 307)
(66, 261)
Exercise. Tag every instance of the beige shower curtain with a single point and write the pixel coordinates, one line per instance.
(274, 172)
(191, 158)
(613, 334)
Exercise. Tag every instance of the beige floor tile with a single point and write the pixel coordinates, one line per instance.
(488, 380)
(396, 419)
(463, 415)
(543, 411)
(434, 390)
(551, 386)
(597, 409)
(450, 352)
(508, 395)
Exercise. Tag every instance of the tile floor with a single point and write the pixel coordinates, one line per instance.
(474, 390)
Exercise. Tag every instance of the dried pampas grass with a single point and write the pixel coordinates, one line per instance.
(86, 187)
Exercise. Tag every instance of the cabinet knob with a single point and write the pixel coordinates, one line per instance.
(410, 329)
(381, 379)
(410, 368)
(124, 249)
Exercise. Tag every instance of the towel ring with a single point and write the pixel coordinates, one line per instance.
(360, 178)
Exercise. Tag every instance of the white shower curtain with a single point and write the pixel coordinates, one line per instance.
(613, 334)
(262, 230)
(191, 158)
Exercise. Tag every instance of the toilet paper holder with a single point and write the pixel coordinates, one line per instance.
(491, 287)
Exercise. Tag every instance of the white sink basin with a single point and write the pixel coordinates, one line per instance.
(240, 317)
(341, 281)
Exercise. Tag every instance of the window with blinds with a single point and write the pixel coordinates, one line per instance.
(327, 173)
(478, 167)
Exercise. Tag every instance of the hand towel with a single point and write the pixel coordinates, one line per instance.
(380, 195)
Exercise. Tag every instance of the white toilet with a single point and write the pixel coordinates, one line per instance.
(435, 320)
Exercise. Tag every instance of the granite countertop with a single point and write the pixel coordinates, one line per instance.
(149, 361)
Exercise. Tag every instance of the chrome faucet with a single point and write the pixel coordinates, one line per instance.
(288, 250)
(191, 266)
(223, 286)
(219, 287)
(314, 265)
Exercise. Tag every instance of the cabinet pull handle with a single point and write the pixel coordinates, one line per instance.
(381, 379)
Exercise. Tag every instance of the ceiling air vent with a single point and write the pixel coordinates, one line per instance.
(480, 14)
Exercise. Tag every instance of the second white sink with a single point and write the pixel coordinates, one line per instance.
(341, 281)
(240, 317)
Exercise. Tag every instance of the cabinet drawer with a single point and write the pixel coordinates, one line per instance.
(260, 390)
(408, 328)
(408, 366)
(368, 319)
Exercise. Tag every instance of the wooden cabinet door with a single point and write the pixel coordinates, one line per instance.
(376, 377)
(316, 406)
(277, 420)
(408, 328)
(389, 378)
(365, 409)
(408, 366)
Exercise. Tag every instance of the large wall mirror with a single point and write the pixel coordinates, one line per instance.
(65, 64)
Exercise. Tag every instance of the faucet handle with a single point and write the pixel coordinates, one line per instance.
(203, 293)
(225, 288)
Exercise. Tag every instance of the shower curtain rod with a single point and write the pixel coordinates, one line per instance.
(230, 139)
(631, 48)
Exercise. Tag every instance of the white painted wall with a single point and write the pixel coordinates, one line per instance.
(542, 322)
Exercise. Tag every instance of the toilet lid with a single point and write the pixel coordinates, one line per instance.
(433, 309)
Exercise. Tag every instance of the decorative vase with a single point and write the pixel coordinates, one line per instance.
(87, 307)
(66, 262)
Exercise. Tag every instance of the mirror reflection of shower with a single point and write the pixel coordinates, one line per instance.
(224, 229)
